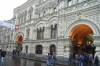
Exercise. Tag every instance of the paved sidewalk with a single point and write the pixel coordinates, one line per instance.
(44, 60)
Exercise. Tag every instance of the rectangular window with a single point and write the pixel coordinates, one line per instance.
(79, 1)
(69, 2)
(40, 33)
(53, 31)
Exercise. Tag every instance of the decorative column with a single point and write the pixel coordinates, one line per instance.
(47, 32)
(34, 33)
(46, 48)
(97, 44)
(67, 47)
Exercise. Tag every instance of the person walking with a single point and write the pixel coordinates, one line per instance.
(96, 60)
(3, 53)
(49, 57)
(54, 59)
(77, 59)
(81, 60)
(70, 59)
(90, 59)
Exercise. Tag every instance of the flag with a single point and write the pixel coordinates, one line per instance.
(17, 27)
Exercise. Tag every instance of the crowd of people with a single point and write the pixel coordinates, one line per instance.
(84, 59)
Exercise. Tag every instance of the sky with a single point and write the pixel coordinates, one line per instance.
(7, 6)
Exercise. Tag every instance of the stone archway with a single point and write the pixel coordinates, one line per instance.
(81, 29)
(52, 48)
(81, 37)
(19, 40)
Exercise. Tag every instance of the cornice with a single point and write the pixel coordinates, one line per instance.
(81, 11)
(45, 40)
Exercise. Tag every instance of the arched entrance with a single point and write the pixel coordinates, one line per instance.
(19, 40)
(39, 49)
(81, 39)
(52, 48)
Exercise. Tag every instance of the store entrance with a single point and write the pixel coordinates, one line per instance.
(81, 40)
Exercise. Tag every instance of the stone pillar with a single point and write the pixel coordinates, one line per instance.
(31, 33)
(67, 49)
(34, 37)
(46, 48)
(97, 44)
(47, 32)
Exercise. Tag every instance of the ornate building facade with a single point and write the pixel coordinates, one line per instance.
(54, 26)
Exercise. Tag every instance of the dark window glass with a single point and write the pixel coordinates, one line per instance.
(53, 31)
(40, 33)
(39, 49)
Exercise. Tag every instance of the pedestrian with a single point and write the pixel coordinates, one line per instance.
(86, 59)
(77, 59)
(90, 59)
(14, 52)
(81, 60)
(54, 59)
(17, 52)
(49, 57)
(96, 60)
(3, 53)
(70, 59)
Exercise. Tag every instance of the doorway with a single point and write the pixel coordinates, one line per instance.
(81, 38)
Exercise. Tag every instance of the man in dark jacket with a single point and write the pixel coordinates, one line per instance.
(3, 53)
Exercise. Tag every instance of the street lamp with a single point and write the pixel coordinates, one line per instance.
(93, 49)
(57, 2)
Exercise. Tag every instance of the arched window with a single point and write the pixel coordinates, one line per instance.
(39, 49)
(27, 32)
(52, 49)
(26, 47)
(55, 9)
(40, 33)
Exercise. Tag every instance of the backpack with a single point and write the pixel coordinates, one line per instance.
(86, 58)
(49, 56)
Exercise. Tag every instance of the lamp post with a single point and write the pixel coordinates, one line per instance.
(57, 24)
(93, 49)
